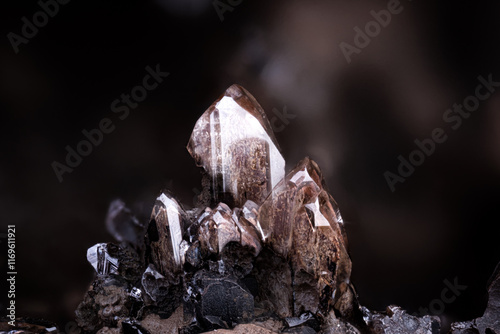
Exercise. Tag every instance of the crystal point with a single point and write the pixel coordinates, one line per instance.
(234, 142)
(301, 221)
(99, 257)
(165, 234)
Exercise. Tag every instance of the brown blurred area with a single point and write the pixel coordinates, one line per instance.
(354, 119)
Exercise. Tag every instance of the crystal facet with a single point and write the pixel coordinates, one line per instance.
(301, 222)
(100, 259)
(165, 234)
(234, 143)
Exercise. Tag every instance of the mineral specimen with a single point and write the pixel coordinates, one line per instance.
(263, 252)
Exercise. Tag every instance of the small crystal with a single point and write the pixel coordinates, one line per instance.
(165, 234)
(396, 320)
(217, 229)
(249, 226)
(234, 143)
(102, 262)
(136, 293)
(150, 272)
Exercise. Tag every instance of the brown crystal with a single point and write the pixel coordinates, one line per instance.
(234, 143)
(165, 234)
(300, 221)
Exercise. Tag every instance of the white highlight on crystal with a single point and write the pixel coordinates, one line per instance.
(237, 124)
(319, 219)
(262, 234)
(301, 176)
(174, 224)
(213, 146)
(151, 270)
(183, 247)
(102, 262)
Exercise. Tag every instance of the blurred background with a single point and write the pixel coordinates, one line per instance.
(354, 118)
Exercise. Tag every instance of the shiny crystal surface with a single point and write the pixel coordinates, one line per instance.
(234, 143)
(100, 259)
(396, 320)
(301, 222)
(165, 234)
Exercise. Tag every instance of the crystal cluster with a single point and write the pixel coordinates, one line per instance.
(264, 251)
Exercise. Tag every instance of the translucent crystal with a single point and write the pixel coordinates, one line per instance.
(150, 273)
(301, 221)
(249, 226)
(233, 141)
(102, 262)
(165, 234)
(136, 293)
(217, 229)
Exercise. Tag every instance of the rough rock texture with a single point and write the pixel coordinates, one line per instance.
(397, 321)
(489, 323)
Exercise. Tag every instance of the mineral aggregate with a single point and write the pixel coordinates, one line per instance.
(264, 251)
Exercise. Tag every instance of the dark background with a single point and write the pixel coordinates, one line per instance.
(353, 119)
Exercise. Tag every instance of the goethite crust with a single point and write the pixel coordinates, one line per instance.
(264, 251)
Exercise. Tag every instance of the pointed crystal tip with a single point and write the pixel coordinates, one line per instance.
(234, 142)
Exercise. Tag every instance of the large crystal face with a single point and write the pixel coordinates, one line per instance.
(234, 143)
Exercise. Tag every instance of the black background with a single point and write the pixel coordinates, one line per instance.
(354, 119)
